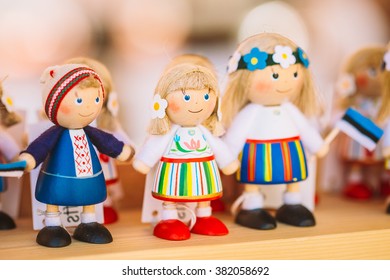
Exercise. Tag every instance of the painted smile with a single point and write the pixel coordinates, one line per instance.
(84, 116)
(195, 112)
(283, 91)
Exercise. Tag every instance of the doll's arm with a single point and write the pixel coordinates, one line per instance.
(107, 144)
(309, 135)
(152, 150)
(236, 135)
(41, 147)
(225, 159)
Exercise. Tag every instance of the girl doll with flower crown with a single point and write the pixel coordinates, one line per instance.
(384, 113)
(107, 120)
(269, 94)
(71, 174)
(359, 87)
(183, 142)
(9, 150)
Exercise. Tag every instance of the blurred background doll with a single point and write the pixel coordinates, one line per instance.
(359, 87)
(71, 174)
(184, 142)
(9, 149)
(269, 94)
(108, 121)
(384, 114)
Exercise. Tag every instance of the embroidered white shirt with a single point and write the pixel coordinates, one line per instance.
(81, 153)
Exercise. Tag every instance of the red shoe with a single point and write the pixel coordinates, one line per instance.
(110, 215)
(358, 191)
(172, 230)
(217, 205)
(209, 226)
(385, 188)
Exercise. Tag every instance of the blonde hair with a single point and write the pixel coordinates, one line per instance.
(186, 76)
(238, 84)
(384, 110)
(367, 57)
(7, 118)
(105, 119)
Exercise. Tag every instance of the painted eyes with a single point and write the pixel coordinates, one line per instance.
(206, 97)
(79, 101)
(295, 74)
(186, 97)
(97, 100)
(275, 76)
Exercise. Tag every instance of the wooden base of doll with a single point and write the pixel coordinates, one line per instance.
(6, 222)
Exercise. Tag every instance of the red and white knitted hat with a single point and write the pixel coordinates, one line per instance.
(57, 81)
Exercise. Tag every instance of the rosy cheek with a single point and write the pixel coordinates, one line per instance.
(173, 107)
(262, 86)
(361, 80)
(65, 109)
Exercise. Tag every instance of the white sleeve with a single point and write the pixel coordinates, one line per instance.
(8, 146)
(121, 135)
(154, 147)
(222, 154)
(309, 135)
(237, 133)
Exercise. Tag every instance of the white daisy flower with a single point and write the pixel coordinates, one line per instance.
(233, 62)
(386, 59)
(284, 56)
(158, 107)
(346, 85)
(8, 103)
(112, 103)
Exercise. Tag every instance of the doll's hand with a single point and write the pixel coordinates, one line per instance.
(386, 152)
(29, 159)
(231, 168)
(126, 154)
(323, 151)
(141, 167)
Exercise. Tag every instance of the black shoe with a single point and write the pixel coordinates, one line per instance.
(6, 221)
(92, 233)
(388, 209)
(295, 215)
(256, 219)
(54, 237)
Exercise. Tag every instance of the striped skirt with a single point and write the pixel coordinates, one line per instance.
(187, 180)
(272, 162)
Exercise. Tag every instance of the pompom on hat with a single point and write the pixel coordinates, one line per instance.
(57, 81)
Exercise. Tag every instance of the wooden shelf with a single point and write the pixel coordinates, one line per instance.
(344, 230)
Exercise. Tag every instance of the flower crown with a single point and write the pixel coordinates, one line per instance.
(386, 61)
(258, 60)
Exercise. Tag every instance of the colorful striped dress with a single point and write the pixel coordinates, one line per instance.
(269, 141)
(187, 171)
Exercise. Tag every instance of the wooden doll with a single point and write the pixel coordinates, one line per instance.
(183, 143)
(268, 95)
(359, 87)
(71, 174)
(108, 121)
(384, 114)
(9, 150)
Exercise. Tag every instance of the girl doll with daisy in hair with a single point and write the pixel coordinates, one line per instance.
(268, 98)
(71, 174)
(9, 150)
(384, 113)
(184, 142)
(359, 87)
(108, 121)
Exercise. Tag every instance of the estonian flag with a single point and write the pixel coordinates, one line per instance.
(13, 169)
(360, 128)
